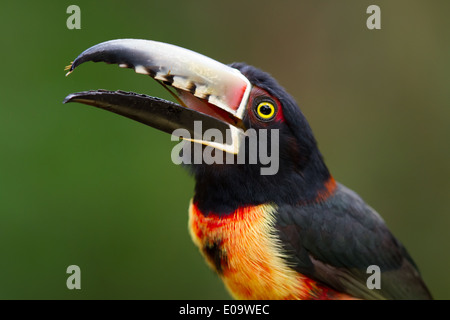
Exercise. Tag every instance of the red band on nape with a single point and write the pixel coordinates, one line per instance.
(329, 188)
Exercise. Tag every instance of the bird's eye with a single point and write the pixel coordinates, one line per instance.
(265, 110)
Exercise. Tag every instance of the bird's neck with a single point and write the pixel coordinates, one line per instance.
(222, 189)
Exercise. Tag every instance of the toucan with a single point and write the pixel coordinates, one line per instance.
(288, 233)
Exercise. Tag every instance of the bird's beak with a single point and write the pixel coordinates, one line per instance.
(207, 90)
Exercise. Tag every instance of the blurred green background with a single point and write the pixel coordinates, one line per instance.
(82, 186)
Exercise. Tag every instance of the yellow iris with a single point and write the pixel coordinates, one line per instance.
(265, 110)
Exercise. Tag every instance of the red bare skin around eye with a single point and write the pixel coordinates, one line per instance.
(258, 92)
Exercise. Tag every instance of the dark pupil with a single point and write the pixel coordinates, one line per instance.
(265, 109)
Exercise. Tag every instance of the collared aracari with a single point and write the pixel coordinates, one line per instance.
(296, 234)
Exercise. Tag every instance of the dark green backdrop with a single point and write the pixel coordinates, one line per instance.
(82, 186)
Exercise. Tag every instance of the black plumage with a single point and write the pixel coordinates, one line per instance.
(335, 241)
(332, 240)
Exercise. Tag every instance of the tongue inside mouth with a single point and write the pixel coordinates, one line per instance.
(203, 106)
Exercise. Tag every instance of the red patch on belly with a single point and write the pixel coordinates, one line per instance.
(248, 256)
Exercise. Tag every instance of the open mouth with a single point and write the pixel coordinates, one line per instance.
(206, 90)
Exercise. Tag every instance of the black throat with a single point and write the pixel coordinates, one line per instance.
(222, 188)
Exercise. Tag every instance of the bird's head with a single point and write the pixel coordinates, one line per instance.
(260, 145)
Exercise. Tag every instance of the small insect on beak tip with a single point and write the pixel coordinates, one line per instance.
(69, 67)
